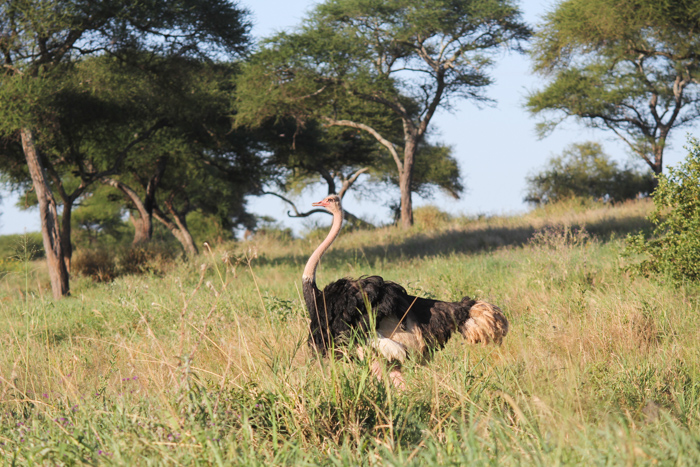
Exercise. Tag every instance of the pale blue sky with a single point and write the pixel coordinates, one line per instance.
(496, 146)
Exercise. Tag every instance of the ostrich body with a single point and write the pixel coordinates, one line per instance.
(401, 323)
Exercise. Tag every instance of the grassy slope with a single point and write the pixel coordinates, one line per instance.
(208, 364)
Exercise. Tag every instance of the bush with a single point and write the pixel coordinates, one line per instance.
(585, 171)
(103, 265)
(97, 264)
(150, 258)
(674, 249)
(430, 217)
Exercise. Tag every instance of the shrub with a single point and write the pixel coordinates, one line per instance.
(151, 258)
(430, 217)
(584, 170)
(674, 249)
(104, 265)
(98, 264)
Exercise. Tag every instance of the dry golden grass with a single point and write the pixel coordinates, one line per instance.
(208, 364)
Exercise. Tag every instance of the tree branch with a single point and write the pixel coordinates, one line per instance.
(121, 155)
(398, 108)
(631, 145)
(294, 206)
(361, 126)
(349, 216)
(349, 182)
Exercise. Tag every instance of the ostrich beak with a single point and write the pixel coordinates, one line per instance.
(322, 203)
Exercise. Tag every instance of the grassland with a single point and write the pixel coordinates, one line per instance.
(207, 363)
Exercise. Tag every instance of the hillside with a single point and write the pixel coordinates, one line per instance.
(206, 362)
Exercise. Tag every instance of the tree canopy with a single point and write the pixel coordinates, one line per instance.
(379, 67)
(629, 66)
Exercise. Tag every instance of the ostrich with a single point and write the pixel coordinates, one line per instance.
(402, 323)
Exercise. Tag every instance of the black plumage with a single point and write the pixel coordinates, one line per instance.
(341, 309)
(383, 312)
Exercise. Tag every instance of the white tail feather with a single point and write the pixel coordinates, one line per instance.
(486, 323)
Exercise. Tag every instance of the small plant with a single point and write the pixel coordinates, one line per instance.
(559, 237)
(674, 249)
(16, 245)
(279, 308)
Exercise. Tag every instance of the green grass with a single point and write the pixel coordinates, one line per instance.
(208, 364)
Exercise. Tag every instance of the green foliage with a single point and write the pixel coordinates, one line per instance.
(627, 66)
(674, 249)
(208, 228)
(108, 89)
(184, 27)
(303, 155)
(585, 171)
(16, 246)
(98, 219)
(435, 169)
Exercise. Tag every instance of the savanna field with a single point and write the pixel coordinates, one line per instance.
(205, 362)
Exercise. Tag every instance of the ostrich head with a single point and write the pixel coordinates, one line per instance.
(331, 203)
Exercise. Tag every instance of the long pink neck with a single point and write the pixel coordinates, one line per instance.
(310, 269)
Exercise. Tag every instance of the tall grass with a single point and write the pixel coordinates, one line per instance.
(208, 364)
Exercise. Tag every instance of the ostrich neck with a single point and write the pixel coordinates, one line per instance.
(309, 275)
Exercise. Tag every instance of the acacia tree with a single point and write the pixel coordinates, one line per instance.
(40, 39)
(63, 111)
(192, 178)
(368, 65)
(630, 67)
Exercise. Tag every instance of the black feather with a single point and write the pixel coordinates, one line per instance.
(340, 309)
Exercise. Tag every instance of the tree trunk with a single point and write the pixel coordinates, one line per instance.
(143, 228)
(658, 163)
(405, 182)
(143, 225)
(178, 229)
(50, 228)
(186, 240)
(659, 158)
(66, 233)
